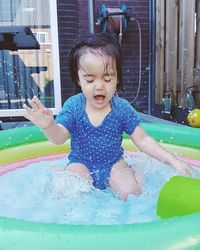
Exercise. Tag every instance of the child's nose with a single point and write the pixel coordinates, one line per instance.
(99, 84)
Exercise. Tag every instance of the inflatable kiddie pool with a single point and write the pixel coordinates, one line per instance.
(23, 145)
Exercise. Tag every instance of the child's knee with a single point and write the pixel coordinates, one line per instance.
(133, 190)
(137, 189)
(68, 184)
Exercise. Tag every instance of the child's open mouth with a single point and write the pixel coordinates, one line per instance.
(99, 98)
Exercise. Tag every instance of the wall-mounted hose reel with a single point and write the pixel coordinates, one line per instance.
(113, 20)
(116, 20)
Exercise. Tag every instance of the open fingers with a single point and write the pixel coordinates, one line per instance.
(28, 110)
(37, 101)
(33, 104)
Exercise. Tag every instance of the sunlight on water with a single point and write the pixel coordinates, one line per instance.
(44, 192)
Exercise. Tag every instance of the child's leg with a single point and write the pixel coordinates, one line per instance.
(71, 180)
(124, 181)
(80, 170)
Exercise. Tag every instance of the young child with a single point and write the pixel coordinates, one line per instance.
(96, 119)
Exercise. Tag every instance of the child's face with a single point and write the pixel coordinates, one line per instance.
(97, 78)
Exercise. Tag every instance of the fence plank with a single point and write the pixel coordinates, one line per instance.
(171, 45)
(160, 48)
(186, 43)
(198, 37)
(177, 49)
(197, 70)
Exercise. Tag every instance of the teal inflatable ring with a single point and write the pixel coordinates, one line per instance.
(173, 233)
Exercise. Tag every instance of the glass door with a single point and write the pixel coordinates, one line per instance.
(29, 55)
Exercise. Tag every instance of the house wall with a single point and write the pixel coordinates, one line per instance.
(73, 20)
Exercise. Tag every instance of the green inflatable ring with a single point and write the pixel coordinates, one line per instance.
(174, 233)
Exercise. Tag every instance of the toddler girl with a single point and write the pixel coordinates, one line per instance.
(96, 119)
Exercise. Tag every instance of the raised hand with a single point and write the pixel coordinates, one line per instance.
(38, 114)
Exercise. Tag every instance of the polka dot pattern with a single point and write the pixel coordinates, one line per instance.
(102, 144)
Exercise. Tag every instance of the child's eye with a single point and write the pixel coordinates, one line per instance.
(107, 79)
(89, 80)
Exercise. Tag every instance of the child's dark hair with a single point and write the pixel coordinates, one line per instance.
(107, 43)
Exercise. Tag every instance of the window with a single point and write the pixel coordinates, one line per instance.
(41, 37)
(33, 68)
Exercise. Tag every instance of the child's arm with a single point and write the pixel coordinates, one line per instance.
(43, 118)
(151, 147)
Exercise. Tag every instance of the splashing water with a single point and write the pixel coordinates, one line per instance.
(45, 192)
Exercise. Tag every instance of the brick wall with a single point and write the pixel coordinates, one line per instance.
(68, 29)
(73, 20)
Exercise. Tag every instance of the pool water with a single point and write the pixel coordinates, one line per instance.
(43, 192)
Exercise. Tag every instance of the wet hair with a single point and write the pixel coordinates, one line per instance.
(105, 44)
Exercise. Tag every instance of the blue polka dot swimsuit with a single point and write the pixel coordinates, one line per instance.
(98, 148)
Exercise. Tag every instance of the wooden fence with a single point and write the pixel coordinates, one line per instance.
(177, 50)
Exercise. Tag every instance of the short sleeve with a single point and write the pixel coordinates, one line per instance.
(67, 115)
(130, 119)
